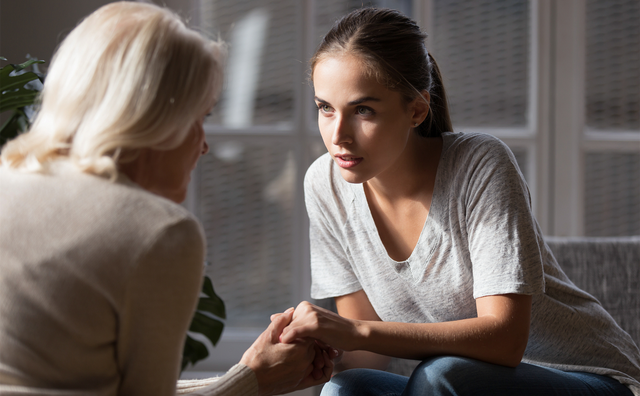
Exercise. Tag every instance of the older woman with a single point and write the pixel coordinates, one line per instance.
(100, 269)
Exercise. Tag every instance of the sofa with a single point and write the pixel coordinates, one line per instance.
(607, 268)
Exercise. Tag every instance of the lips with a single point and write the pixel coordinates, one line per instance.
(347, 161)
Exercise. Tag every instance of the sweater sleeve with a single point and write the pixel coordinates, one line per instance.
(160, 301)
(240, 380)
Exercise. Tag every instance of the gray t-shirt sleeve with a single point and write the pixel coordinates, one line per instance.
(332, 274)
(502, 235)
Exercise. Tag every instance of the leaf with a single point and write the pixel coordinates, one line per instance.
(18, 99)
(15, 96)
(213, 304)
(10, 82)
(27, 64)
(15, 125)
(207, 287)
(193, 352)
(204, 324)
(207, 326)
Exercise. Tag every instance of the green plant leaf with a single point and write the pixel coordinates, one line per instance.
(9, 82)
(213, 306)
(27, 64)
(15, 125)
(207, 326)
(18, 99)
(204, 324)
(193, 351)
(213, 303)
(14, 96)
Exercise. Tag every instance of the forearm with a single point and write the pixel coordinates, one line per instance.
(484, 338)
(362, 359)
(497, 335)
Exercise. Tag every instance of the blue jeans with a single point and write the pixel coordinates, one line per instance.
(462, 376)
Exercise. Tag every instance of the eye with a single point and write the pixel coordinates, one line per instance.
(363, 110)
(324, 108)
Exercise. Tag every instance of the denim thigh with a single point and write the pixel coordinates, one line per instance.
(457, 376)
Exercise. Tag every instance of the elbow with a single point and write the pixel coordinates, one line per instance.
(512, 354)
(511, 361)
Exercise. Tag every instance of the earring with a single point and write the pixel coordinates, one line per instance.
(415, 124)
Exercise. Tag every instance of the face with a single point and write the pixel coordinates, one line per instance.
(168, 172)
(364, 125)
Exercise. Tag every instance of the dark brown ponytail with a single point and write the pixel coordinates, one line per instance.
(439, 119)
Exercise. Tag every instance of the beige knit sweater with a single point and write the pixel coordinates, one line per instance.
(98, 283)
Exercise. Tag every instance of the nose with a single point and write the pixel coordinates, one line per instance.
(341, 132)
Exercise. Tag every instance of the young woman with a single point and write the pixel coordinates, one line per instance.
(100, 268)
(427, 241)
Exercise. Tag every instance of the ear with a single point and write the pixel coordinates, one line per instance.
(420, 108)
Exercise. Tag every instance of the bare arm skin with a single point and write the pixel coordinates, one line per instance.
(497, 335)
(357, 306)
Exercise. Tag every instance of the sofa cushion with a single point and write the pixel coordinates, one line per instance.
(609, 270)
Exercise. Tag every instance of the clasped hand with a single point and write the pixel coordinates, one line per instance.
(285, 367)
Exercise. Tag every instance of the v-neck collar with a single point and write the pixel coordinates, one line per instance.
(430, 235)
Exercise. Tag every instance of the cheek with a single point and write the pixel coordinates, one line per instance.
(325, 129)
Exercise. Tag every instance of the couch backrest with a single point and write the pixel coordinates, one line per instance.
(609, 270)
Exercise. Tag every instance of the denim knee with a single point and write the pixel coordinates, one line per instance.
(444, 375)
(365, 382)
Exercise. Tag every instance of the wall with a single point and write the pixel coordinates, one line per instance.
(37, 27)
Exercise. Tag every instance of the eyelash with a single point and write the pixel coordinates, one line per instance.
(369, 111)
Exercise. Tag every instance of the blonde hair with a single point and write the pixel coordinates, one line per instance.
(129, 76)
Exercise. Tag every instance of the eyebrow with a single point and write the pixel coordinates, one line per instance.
(354, 102)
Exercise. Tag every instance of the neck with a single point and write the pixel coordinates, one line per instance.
(413, 176)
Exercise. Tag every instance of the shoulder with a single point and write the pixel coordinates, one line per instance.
(475, 144)
(320, 171)
(323, 181)
(119, 209)
(474, 154)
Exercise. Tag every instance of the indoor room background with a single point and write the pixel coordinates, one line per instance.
(557, 80)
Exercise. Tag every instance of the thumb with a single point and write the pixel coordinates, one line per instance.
(279, 323)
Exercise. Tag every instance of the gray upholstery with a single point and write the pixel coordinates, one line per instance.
(607, 268)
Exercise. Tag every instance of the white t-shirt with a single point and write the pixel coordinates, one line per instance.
(480, 238)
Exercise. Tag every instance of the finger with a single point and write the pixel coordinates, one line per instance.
(334, 353)
(289, 335)
(328, 367)
(275, 315)
(323, 345)
(278, 324)
(318, 360)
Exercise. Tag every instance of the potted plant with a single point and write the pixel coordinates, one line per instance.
(19, 89)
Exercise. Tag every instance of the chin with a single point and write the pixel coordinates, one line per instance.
(352, 177)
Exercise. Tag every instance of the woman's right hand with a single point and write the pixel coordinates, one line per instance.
(342, 331)
(282, 368)
(311, 321)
